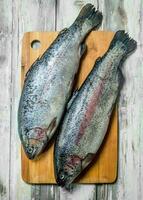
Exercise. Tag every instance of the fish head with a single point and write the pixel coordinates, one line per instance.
(34, 142)
(69, 168)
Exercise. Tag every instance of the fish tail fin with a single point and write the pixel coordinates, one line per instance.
(126, 43)
(88, 18)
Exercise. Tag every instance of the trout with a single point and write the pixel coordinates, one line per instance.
(88, 112)
(48, 83)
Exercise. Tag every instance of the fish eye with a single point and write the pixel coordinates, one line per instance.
(62, 176)
(30, 149)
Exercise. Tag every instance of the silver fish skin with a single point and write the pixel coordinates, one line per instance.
(49, 81)
(88, 113)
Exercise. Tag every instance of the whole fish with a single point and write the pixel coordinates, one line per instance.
(88, 112)
(49, 81)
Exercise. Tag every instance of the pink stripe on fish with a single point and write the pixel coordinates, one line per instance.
(90, 111)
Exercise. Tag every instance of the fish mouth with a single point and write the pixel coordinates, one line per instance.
(60, 182)
(67, 179)
(66, 183)
(35, 153)
(32, 155)
(69, 182)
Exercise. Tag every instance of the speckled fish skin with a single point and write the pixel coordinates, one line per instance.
(49, 81)
(88, 113)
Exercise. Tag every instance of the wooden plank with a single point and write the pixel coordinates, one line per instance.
(17, 187)
(26, 16)
(37, 15)
(42, 170)
(131, 157)
(83, 192)
(115, 17)
(5, 99)
(68, 10)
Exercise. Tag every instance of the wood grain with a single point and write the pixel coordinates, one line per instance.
(42, 170)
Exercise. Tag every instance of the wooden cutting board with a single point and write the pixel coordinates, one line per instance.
(104, 168)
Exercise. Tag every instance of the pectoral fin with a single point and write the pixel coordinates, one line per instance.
(51, 127)
(88, 158)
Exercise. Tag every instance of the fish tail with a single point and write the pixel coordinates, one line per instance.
(127, 44)
(88, 18)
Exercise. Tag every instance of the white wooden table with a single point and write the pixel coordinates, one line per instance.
(19, 16)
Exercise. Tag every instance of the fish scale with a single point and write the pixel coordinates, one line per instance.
(86, 121)
(48, 84)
